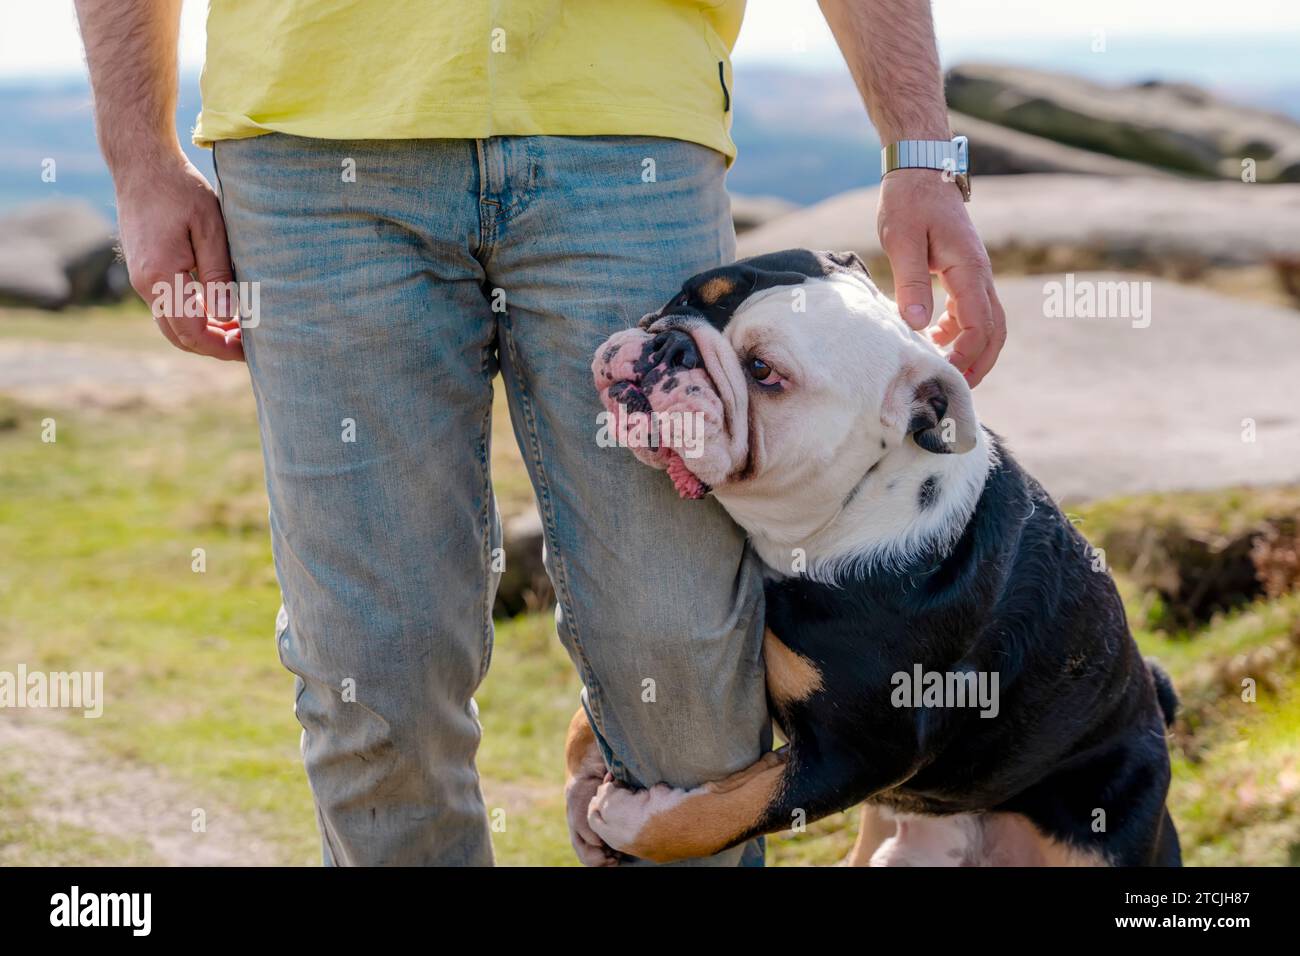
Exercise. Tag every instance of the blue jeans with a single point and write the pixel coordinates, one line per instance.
(373, 363)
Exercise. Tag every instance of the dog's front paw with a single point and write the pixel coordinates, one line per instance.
(625, 819)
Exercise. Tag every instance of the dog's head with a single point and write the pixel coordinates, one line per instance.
(780, 375)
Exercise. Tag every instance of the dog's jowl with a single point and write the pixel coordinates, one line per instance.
(939, 644)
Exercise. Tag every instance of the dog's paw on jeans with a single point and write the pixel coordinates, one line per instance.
(619, 814)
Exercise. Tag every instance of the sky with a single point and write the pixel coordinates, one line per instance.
(39, 37)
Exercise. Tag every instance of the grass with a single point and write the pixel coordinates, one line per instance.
(100, 529)
(97, 533)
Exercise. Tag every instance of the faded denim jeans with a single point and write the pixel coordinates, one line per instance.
(377, 323)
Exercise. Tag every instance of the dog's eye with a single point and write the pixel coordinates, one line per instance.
(759, 370)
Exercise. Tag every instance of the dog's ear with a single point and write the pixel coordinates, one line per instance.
(849, 262)
(930, 401)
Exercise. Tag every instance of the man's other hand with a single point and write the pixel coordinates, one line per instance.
(171, 230)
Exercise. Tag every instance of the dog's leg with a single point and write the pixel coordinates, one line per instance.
(584, 770)
(874, 828)
(781, 788)
(664, 824)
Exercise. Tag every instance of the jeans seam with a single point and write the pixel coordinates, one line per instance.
(563, 593)
(486, 220)
(485, 471)
(520, 197)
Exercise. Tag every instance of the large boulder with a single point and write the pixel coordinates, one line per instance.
(523, 585)
(1175, 126)
(1051, 223)
(1000, 151)
(1197, 396)
(58, 253)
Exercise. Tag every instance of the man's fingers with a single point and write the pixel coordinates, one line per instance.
(909, 258)
(946, 329)
(207, 324)
(165, 328)
(191, 330)
(212, 263)
(981, 365)
(158, 288)
(974, 313)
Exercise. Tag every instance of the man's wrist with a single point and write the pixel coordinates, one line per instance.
(133, 143)
(941, 131)
(143, 161)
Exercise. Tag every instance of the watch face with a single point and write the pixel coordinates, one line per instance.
(962, 146)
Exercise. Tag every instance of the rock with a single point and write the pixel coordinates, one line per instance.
(1276, 556)
(749, 212)
(1000, 151)
(1051, 223)
(1200, 398)
(1199, 573)
(58, 253)
(1196, 576)
(524, 585)
(1175, 126)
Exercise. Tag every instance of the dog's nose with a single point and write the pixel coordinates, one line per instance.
(675, 349)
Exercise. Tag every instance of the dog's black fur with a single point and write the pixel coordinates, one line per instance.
(1082, 718)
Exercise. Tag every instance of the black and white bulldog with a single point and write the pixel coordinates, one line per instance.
(941, 643)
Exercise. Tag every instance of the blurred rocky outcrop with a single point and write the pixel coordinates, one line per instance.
(1171, 227)
(523, 585)
(750, 212)
(1167, 125)
(58, 253)
(1001, 151)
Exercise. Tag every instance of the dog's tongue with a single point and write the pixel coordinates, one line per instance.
(687, 485)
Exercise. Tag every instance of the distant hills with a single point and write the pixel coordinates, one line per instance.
(803, 137)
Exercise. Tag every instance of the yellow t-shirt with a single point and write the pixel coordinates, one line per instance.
(403, 69)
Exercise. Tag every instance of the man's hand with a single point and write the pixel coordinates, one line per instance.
(924, 229)
(579, 791)
(890, 50)
(171, 226)
(168, 218)
(584, 772)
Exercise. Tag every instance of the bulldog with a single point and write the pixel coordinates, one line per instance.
(942, 645)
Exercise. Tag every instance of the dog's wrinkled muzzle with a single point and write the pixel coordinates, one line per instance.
(661, 401)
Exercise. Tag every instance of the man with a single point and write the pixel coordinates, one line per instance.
(427, 193)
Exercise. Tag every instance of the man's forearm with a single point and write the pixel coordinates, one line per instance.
(890, 49)
(131, 53)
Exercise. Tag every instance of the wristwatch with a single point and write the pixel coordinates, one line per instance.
(952, 157)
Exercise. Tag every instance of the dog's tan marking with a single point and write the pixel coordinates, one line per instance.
(713, 290)
(580, 745)
(791, 677)
(712, 817)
